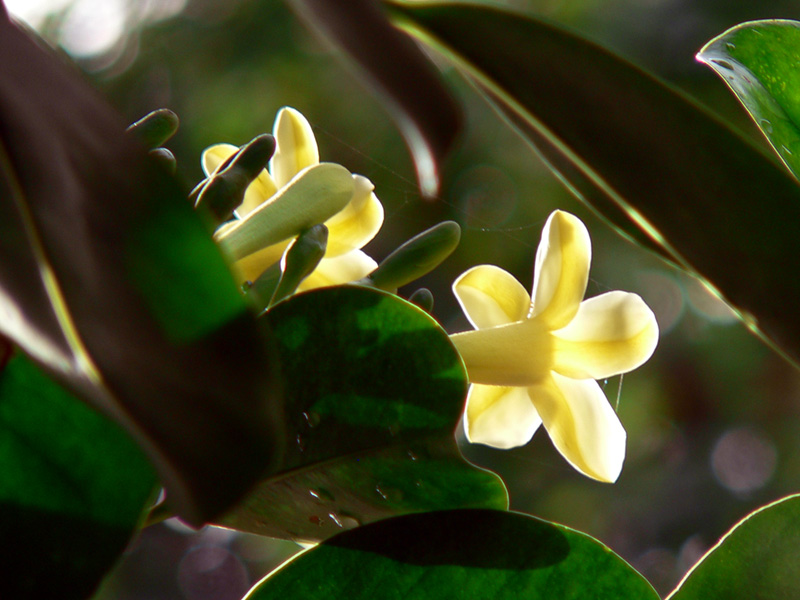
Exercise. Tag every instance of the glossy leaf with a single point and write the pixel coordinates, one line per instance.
(112, 283)
(401, 75)
(661, 169)
(73, 487)
(756, 559)
(374, 390)
(458, 554)
(760, 62)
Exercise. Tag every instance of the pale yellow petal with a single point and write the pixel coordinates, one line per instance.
(296, 147)
(346, 268)
(215, 155)
(261, 189)
(612, 333)
(358, 222)
(562, 269)
(502, 417)
(583, 426)
(253, 265)
(517, 354)
(490, 296)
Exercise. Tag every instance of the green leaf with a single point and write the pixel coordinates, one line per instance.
(73, 487)
(374, 391)
(111, 282)
(755, 560)
(760, 62)
(396, 70)
(458, 554)
(657, 166)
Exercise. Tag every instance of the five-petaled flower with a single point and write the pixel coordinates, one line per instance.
(534, 359)
(348, 230)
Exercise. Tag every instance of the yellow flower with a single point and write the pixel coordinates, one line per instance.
(348, 230)
(534, 359)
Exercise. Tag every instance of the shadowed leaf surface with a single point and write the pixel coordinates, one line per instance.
(396, 69)
(662, 170)
(73, 487)
(756, 560)
(458, 554)
(110, 281)
(374, 391)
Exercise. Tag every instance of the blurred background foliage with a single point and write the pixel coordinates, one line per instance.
(712, 419)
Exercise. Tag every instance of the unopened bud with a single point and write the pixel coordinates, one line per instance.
(417, 257)
(155, 128)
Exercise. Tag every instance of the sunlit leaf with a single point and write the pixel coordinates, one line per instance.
(760, 62)
(458, 554)
(73, 487)
(374, 390)
(398, 72)
(758, 558)
(661, 169)
(109, 280)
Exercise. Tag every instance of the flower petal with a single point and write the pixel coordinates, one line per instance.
(215, 155)
(502, 417)
(583, 426)
(296, 146)
(490, 296)
(612, 333)
(346, 268)
(562, 269)
(261, 189)
(358, 222)
(517, 354)
(253, 265)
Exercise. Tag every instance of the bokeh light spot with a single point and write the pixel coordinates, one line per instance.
(212, 573)
(743, 460)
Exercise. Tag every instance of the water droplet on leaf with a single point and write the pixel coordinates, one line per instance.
(765, 125)
(731, 47)
(312, 419)
(335, 518)
(389, 494)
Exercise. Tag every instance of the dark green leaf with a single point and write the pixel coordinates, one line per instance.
(756, 560)
(398, 71)
(760, 62)
(662, 170)
(374, 391)
(458, 554)
(109, 280)
(73, 488)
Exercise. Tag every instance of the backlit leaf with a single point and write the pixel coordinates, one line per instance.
(73, 487)
(757, 559)
(374, 390)
(760, 62)
(458, 554)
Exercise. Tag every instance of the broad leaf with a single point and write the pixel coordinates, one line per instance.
(661, 169)
(110, 281)
(759, 62)
(374, 390)
(410, 87)
(458, 554)
(73, 487)
(757, 559)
